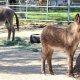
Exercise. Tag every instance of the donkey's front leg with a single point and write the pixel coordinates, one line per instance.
(70, 65)
(13, 37)
(49, 62)
(50, 66)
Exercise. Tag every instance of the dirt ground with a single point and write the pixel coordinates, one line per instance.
(23, 63)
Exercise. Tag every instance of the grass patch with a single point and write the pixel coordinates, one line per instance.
(51, 15)
(21, 44)
(17, 41)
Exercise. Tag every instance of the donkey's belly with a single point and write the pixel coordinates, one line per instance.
(58, 48)
(2, 22)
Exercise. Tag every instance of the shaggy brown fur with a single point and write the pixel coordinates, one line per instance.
(66, 39)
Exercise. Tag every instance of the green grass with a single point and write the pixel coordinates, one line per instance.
(59, 14)
(51, 15)
(19, 43)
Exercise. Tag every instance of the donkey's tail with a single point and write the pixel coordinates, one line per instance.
(17, 21)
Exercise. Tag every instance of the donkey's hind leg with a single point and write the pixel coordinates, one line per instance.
(9, 29)
(13, 32)
(9, 33)
(46, 55)
(49, 62)
(43, 66)
(43, 59)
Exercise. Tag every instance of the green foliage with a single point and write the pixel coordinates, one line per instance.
(17, 41)
(59, 14)
(20, 44)
(35, 50)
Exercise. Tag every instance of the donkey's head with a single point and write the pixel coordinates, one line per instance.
(77, 18)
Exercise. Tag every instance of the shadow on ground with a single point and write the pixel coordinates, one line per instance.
(27, 60)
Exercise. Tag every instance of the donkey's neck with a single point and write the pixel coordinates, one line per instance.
(74, 27)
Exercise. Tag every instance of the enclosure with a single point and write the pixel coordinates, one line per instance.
(21, 60)
(44, 10)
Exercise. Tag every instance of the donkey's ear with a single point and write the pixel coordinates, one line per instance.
(76, 17)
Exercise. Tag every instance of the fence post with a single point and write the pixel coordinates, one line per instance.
(26, 8)
(68, 10)
(7, 2)
(47, 11)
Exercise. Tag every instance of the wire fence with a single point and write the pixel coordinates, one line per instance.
(46, 12)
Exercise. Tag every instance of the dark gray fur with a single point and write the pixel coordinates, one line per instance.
(6, 16)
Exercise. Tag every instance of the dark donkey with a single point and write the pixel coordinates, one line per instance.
(6, 15)
(66, 39)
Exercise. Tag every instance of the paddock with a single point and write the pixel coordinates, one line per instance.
(20, 59)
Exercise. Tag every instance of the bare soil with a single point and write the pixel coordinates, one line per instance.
(23, 62)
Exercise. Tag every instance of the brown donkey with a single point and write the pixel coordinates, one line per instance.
(66, 39)
(6, 16)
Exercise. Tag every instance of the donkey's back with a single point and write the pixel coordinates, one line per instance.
(54, 37)
(6, 16)
(6, 13)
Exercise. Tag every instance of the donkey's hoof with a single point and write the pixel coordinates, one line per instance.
(52, 73)
(70, 74)
(43, 72)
